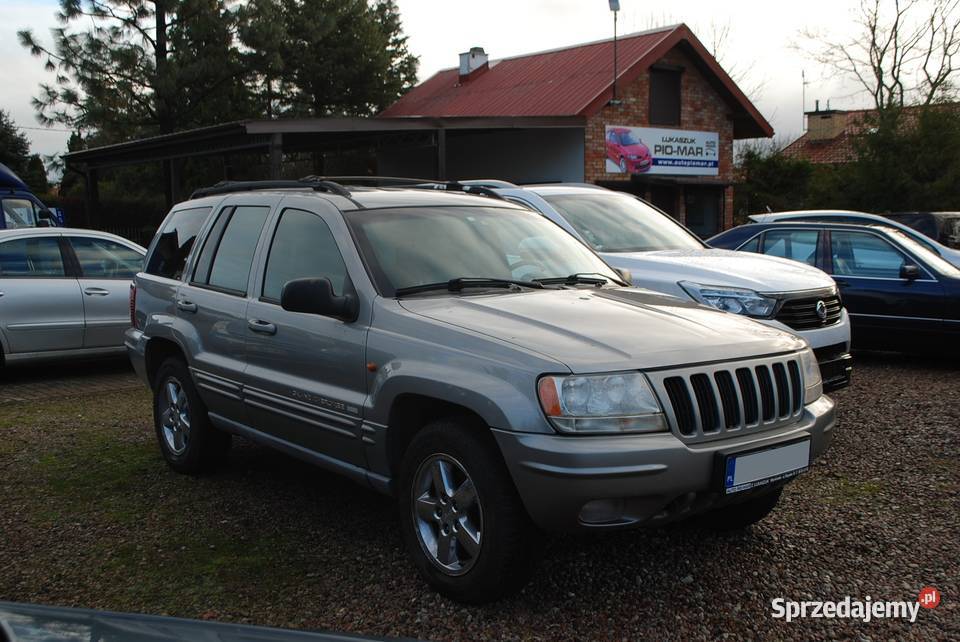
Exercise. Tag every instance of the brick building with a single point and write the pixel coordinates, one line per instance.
(664, 131)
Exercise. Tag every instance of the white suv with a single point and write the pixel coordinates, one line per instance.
(662, 255)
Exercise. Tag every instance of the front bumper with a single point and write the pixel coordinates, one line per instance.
(831, 345)
(650, 479)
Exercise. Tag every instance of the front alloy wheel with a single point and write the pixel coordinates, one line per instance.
(447, 514)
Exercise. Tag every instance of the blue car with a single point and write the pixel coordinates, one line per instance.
(20, 207)
(899, 294)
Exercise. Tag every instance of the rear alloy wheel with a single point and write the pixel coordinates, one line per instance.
(460, 515)
(188, 440)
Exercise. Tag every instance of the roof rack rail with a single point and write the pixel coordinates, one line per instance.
(454, 186)
(372, 181)
(466, 187)
(227, 187)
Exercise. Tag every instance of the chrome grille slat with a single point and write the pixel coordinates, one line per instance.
(708, 402)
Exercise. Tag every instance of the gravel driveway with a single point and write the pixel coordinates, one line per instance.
(90, 516)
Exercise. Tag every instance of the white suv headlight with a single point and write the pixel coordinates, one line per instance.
(811, 376)
(608, 403)
(729, 299)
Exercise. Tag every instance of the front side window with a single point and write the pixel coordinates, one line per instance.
(19, 212)
(233, 256)
(864, 255)
(105, 259)
(798, 245)
(168, 253)
(302, 247)
(31, 257)
(418, 246)
(611, 222)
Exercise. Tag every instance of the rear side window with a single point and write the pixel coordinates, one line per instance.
(228, 252)
(168, 255)
(799, 245)
(105, 259)
(753, 245)
(302, 247)
(31, 257)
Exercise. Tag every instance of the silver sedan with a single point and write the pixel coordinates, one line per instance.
(64, 293)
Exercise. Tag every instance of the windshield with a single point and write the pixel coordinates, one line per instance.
(612, 222)
(408, 247)
(626, 138)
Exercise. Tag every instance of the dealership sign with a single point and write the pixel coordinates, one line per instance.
(648, 150)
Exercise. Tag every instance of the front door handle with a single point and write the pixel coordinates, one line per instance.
(186, 306)
(96, 292)
(261, 326)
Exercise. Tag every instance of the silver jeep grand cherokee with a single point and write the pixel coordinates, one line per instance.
(384, 334)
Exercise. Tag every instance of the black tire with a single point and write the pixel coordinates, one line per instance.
(204, 445)
(739, 516)
(506, 557)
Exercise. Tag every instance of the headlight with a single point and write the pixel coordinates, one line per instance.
(811, 376)
(610, 403)
(736, 300)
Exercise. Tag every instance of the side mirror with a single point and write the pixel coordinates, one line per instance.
(45, 219)
(909, 272)
(624, 275)
(315, 296)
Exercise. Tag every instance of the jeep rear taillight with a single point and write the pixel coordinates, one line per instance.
(133, 304)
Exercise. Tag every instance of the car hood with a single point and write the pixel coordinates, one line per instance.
(639, 150)
(598, 330)
(721, 267)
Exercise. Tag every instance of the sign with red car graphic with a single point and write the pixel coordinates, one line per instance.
(648, 150)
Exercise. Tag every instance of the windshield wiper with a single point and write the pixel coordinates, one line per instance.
(458, 284)
(574, 279)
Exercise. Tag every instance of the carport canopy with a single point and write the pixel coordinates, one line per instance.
(278, 137)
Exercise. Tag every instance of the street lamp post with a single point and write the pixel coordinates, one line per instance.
(615, 8)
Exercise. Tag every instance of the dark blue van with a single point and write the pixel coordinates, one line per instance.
(20, 207)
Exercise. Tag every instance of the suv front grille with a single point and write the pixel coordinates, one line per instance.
(708, 402)
(801, 314)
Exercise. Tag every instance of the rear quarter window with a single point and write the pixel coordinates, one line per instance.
(172, 245)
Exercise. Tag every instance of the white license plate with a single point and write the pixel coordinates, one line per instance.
(761, 467)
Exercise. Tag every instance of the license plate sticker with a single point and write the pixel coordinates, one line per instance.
(759, 468)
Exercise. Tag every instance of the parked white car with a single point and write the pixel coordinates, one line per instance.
(662, 255)
(64, 293)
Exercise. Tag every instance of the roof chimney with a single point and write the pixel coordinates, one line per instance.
(471, 61)
(825, 125)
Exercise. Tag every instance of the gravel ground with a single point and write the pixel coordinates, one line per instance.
(90, 516)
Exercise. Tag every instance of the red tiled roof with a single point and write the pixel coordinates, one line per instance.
(839, 149)
(574, 81)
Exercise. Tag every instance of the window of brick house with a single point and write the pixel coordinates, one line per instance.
(665, 96)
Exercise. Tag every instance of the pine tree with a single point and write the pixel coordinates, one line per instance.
(14, 146)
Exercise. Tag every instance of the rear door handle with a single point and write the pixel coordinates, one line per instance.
(261, 326)
(186, 306)
(96, 292)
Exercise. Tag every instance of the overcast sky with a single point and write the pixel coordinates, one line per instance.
(760, 49)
